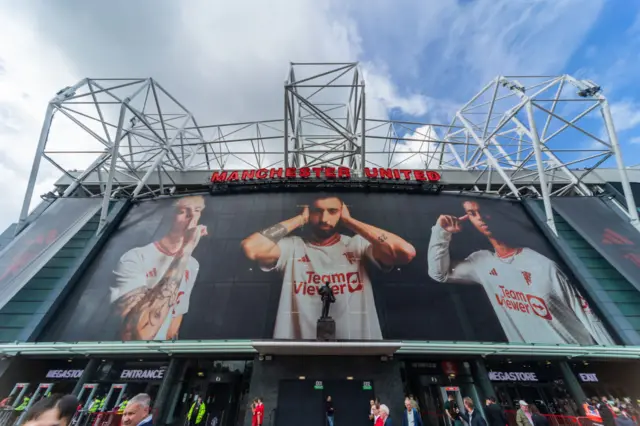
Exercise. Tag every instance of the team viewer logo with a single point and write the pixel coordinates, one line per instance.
(539, 307)
(340, 283)
(519, 301)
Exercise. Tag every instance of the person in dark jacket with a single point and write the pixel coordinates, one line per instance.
(473, 417)
(410, 416)
(537, 417)
(605, 412)
(495, 413)
(624, 419)
(329, 409)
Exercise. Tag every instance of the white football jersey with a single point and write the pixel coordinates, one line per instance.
(533, 299)
(306, 267)
(145, 266)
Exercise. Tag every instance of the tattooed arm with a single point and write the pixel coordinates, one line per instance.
(388, 249)
(144, 309)
(263, 246)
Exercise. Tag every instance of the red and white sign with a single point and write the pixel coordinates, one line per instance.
(375, 173)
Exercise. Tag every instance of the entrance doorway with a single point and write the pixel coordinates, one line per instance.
(303, 402)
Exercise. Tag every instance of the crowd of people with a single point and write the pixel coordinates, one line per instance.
(604, 412)
(611, 412)
(59, 410)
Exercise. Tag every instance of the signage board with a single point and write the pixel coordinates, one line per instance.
(64, 374)
(512, 376)
(143, 374)
(366, 386)
(275, 294)
(324, 173)
(318, 385)
(588, 377)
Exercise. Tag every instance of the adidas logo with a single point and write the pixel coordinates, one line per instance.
(304, 259)
(610, 237)
(494, 272)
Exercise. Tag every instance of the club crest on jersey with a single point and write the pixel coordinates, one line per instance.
(519, 301)
(152, 273)
(493, 272)
(527, 277)
(304, 259)
(351, 257)
(340, 283)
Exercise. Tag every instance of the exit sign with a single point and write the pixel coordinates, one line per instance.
(318, 385)
(366, 386)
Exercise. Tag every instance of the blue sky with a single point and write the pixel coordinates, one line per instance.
(227, 60)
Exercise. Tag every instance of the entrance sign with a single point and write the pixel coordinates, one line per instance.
(324, 173)
(588, 377)
(499, 376)
(366, 386)
(150, 374)
(64, 374)
(318, 385)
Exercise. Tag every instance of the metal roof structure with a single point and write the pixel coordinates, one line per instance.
(542, 136)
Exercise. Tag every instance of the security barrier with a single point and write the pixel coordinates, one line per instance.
(7, 416)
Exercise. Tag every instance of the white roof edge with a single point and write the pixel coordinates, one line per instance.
(264, 347)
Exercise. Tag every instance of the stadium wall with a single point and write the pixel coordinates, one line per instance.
(612, 293)
(26, 314)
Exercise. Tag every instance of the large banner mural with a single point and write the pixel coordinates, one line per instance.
(399, 266)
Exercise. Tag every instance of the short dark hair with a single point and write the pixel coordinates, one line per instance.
(492, 398)
(66, 405)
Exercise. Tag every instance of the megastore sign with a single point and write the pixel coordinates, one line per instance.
(64, 374)
(519, 376)
(324, 173)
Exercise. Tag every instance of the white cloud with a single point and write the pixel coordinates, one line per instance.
(227, 61)
(635, 140)
(626, 115)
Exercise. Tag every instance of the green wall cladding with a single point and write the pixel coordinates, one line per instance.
(32, 299)
(617, 288)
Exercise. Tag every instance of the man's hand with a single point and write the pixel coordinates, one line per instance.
(345, 214)
(304, 216)
(192, 238)
(451, 224)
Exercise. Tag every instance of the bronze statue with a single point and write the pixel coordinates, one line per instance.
(327, 297)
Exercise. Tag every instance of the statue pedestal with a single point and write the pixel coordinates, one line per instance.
(326, 330)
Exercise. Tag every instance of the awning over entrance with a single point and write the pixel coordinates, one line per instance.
(278, 347)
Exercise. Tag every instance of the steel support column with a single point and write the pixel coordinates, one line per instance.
(632, 209)
(544, 188)
(33, 176)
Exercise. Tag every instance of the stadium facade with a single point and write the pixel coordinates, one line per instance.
(495, 255)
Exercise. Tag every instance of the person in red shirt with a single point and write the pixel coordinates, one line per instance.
(259, 412)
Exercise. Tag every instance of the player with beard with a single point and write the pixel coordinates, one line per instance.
(321, 255)
(153, 283)
(532, 297)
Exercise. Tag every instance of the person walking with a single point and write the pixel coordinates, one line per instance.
(453, 411)
(608, 419)
(473, 417)
(384, 419)
(523, 416)
(411, 416)
(536, 417)
(138, 411)
(329, 411)
(495, 413)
